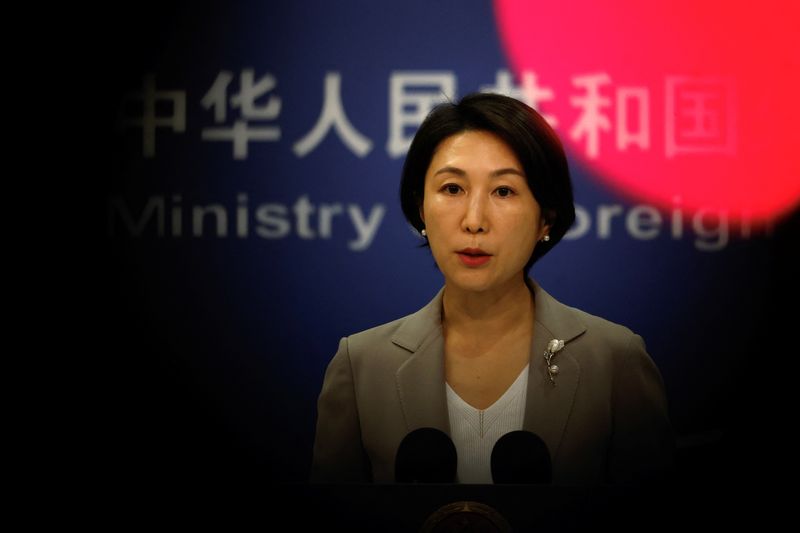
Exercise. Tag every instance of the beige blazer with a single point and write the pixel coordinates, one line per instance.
(604, 421)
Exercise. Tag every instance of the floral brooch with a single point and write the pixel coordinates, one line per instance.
(553, 347)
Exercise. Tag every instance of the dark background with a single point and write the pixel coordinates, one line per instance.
(209, 353)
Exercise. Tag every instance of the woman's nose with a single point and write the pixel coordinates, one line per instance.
(474, 220)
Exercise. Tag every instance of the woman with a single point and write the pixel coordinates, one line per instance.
(486, 182)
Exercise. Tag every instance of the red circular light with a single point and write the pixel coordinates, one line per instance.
(680, 101)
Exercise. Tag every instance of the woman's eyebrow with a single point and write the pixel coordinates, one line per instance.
(508, 170)
(493, 174)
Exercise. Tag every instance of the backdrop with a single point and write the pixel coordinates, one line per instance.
(249, 207)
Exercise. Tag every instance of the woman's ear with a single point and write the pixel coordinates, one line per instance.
(548, 220)
(421, 214)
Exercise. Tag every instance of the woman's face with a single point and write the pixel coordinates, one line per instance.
(481, 218)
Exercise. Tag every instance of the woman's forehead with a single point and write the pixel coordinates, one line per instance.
(474, 150)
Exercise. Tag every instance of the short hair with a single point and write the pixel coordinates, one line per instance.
(529, 136)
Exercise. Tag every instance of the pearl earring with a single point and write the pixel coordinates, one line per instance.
(423, 232)
(545, 238)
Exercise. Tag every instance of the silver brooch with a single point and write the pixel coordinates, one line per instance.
(553, 347)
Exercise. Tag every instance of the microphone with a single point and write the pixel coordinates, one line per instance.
(521, 457)
(426, 455)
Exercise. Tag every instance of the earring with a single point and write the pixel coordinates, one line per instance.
(423, 232)
(545, 238)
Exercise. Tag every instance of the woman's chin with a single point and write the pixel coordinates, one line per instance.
(475, 281)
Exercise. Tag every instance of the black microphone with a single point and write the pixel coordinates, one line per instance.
(426, 455)
(521, 457)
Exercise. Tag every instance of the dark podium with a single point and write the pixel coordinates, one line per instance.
(428, 507)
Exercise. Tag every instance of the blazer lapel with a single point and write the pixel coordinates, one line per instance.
(547, 406)
(420, 379)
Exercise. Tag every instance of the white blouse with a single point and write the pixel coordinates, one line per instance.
(475, 431)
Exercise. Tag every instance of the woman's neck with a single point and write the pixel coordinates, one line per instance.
(489, 313)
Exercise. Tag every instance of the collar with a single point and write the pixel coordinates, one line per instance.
(556, 319)
(421, 381)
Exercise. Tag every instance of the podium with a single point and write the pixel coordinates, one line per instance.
(455, 507)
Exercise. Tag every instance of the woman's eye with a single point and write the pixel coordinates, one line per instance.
(504, 192)
(452, 189)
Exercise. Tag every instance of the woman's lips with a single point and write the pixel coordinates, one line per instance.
(473, 258)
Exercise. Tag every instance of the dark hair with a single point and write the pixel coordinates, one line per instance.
(529, 136)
